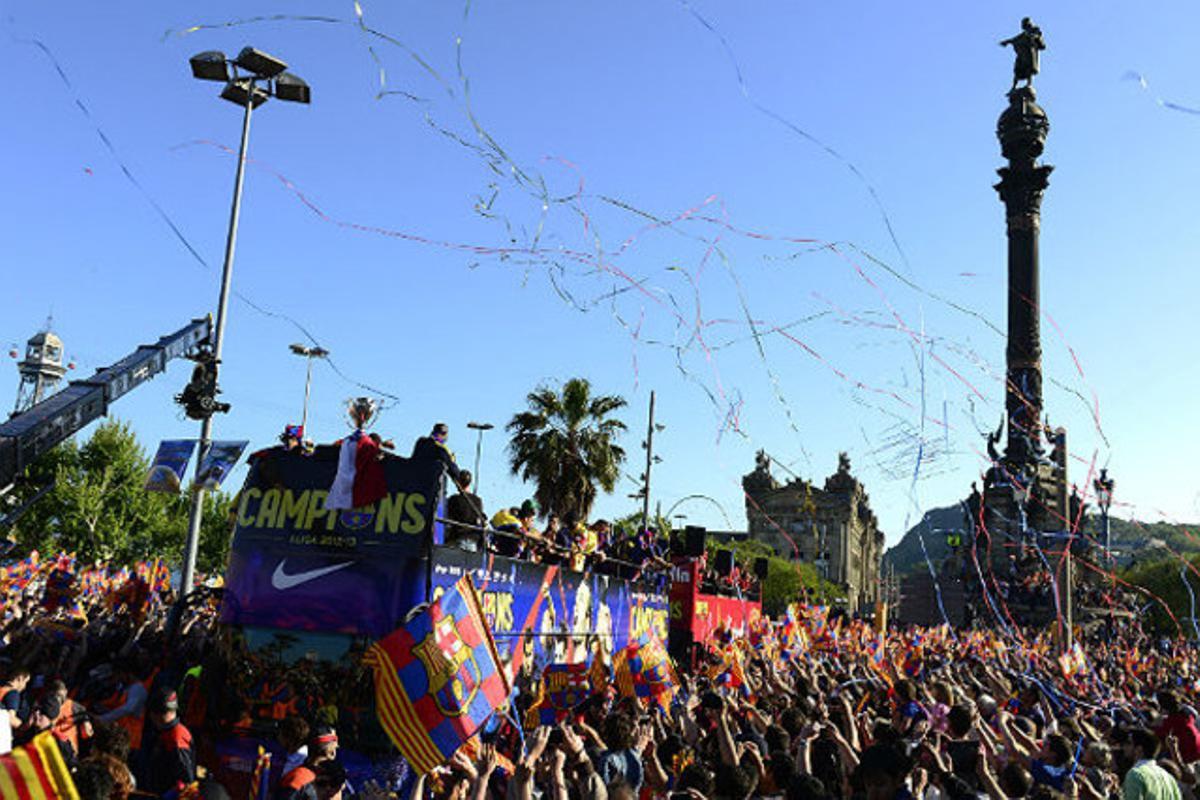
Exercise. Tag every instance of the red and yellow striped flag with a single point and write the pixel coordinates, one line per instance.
(36, 772)
(260, 788)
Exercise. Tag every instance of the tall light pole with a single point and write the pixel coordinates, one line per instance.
(651, 460)
(309, 353)
(1104, 493)
(250, 80)
(481, 427)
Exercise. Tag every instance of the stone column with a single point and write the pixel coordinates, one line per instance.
(1022, 131)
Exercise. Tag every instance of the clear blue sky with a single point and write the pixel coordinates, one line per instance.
(641, 103)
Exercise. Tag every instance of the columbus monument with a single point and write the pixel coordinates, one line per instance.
(1024, 510)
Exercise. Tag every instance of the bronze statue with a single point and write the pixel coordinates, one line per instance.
(1027, 44)
(992, 440)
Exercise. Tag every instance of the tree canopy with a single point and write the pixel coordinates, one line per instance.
(99, 510)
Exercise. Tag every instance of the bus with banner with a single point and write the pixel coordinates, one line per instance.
(333, 579)
(701, 609)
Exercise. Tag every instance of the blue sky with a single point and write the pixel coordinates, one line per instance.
(560, 130)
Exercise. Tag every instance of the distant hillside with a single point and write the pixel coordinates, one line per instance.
(1132, 541)
(907, 556)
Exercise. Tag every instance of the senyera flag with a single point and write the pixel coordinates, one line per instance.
(438, 678)
(36, 772)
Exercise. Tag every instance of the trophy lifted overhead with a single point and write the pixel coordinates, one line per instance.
(1027, 44)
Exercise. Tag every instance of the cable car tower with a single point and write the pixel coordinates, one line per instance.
(41, 369)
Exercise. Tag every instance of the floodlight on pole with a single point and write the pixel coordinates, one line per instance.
(248, 83)
(308, 353)
(242, 90)
(292, 88)
(260, 63)
(1104, 486)
(210, 65)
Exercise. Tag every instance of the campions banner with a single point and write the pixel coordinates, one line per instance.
(297, 565)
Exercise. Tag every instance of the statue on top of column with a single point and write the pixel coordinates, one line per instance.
(1028, 44)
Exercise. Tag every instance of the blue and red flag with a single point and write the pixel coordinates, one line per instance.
(60, 589)
(438, 678)
(563, 687)
(645, 671)
(21, 573)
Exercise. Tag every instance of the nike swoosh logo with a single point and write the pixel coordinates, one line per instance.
(282, 581)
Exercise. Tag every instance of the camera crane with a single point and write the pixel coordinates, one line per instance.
(26, 437)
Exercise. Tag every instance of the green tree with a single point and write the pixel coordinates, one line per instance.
(633, 523)
(99, 510)
(566, 443)
(786, 581)
(1164, 579)
(216, 532)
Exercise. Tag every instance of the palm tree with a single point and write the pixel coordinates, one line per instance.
(566, 444)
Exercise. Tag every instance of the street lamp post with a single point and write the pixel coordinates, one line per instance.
(481, 427)
(309, 353)
(1104, 493)
(250, 80)
(651, 460)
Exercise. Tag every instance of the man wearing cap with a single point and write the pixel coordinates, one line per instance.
(433, 448)
(292, 437)
(299, 783)
(167, 759)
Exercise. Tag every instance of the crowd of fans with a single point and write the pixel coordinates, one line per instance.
(512, 532)
(149, 703)
(581, 546)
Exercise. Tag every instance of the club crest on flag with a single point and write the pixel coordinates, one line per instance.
(438, 678)
(454, 675)
(574, 693)
(357, 518)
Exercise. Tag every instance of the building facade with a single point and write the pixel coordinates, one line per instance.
(831, 527)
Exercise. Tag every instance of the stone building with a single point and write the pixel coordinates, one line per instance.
(832, 527)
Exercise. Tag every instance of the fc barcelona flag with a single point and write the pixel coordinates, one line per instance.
(438, 678)
(645, 671)
(36, 772)
(563, 688)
